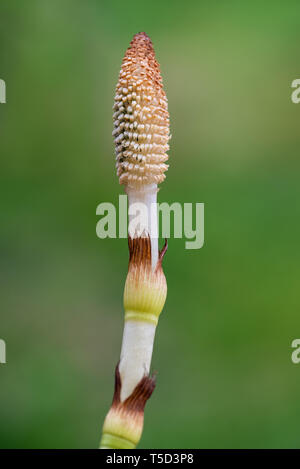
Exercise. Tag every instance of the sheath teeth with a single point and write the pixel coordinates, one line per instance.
(141, 117)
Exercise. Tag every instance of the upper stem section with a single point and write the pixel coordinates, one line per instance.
(143, 201)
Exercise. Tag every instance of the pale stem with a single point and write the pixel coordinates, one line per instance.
(136, 354)
(142, 208)
(138, 336)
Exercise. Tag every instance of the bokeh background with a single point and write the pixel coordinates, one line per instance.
(223, 346)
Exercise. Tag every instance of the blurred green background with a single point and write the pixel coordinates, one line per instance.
(223, 346)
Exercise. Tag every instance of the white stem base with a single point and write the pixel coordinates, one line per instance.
(136, 354)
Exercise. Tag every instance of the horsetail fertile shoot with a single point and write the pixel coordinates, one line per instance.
(141, 133)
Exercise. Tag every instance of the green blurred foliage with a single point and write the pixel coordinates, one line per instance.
(223, 346)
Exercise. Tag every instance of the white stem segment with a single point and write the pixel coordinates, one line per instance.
(136, 354)
(142, 210)
(138, 336)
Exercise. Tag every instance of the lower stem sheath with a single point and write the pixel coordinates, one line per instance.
(144, 297)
